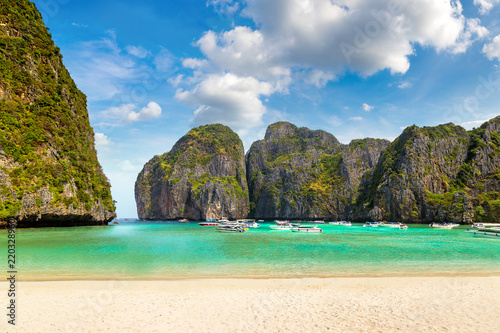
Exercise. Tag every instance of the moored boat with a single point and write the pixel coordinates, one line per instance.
(250, 224)
(444, 225)
(209, 222)
(493, 232)
(307, 228)
(282, 225)
(371, 224)
(343, 223)
(391, 224)
(402, 226)
(231, 228)
(183, 221)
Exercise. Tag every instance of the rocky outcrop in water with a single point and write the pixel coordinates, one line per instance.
(203, 176)
(441, 173)
(297, 173)
(428, 174)
(49, 172)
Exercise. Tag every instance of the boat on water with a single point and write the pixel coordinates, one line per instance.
(183, 221)
(344, 223)
(371, 224)
(485, 225)
(209, 222)
(307, 228)
(492, 232)
(260, 221)
(402, 226)
(444, 225)
(282, 225)
(231, 228)
(248, 223)
(318, 222)
(391, 224)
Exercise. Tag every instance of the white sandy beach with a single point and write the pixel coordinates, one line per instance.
(413, 304)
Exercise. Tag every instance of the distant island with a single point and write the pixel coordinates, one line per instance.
(428, 174)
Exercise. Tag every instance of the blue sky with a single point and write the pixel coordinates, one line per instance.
(152, 70)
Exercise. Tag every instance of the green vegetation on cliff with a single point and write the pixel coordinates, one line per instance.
(202, 173)
(45, 132)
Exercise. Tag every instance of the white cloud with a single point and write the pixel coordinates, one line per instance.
(126, 113)
(486, 5)
(242, 51)
(228, 7)
(137, 51)
(405, 85)
(367, 107)
(101, 140)
(101, 69)
(314, 41)
(194, 63)
(363, 35)
(79, 25)
(127, 166)
(227, 99)
(492, 50)
(334, 121)
(164, 61)
(356, 118)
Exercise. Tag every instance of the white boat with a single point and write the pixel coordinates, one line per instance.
(231, 228)
(343, 223)
(402, 226)
(260, 221)
(444, 225)
(485, 225)
(183, 221)
(391, 224)
(282, 225)
(307, 228)
(371, 224)
(250, 224)
(318, 222)
(493, 232)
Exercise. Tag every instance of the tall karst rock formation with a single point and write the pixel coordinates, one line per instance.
(203, 176)
(297, 173)
(49, 172)
(441, 173)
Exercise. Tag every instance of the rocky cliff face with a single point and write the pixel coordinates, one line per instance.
(49, 172)
(203, 176)
(297, 173)
(441, 173)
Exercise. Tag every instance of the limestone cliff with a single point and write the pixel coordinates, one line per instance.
(297, 173)
(203, 176)
(441, 173)
(49, 172)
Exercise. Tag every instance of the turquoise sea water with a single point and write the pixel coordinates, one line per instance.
(164, 250)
